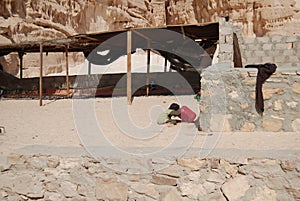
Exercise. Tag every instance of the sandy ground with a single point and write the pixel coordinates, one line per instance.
(111, 124)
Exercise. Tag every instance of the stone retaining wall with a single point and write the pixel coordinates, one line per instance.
(43, 177)
(228, 100)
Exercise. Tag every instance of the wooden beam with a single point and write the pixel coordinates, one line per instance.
(183, 32)
(21, 54)
(129, 98)
(237, 58)
(41, 74)
(89, 67)
(148, 71)
(166, 64)
(67, 70)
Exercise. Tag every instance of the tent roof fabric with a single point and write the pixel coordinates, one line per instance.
(82, 42)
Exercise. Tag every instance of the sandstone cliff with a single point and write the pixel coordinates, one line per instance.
(27, 20)
(24, 20)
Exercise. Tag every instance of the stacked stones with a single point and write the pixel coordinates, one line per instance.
(282, 50)
(225, 41)
(281, 98)
(42, 177)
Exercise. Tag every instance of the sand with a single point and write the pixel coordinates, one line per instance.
(63, 125)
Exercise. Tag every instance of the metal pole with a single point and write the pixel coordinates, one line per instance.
(148, 70)
(129, 100)
(41, 74)
(67, 69)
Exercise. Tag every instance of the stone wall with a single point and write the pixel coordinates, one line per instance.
(45, 177)
(228, 100)
(282, 50)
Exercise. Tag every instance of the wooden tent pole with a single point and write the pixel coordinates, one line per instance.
(41, 74)
(129, 98)
(67, 70)
(237, 58)
(21, 63)
(166, 64)
(148, 70)
(89, 68)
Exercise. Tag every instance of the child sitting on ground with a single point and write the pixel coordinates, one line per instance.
(166, 117)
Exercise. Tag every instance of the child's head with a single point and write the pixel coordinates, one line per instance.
(174, 106)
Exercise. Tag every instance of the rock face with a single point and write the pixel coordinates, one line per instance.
(28, 20)
(23, 20)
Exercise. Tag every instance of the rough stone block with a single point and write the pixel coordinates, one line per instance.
(68, 189)
(262, 193)
(250, 40)
(192, 191)
(171, 171)
(263, 39)
(248, 127)
(267, 46)
(281, 46)
(193, 164)
(266, 59)
(162, 180)
(256, 60)
(248, 54)
(297, 45)
(278, 39)
(225, 57)
(259, 53)
(296, 125)
(292, 39)
(293, 59)
(146, 189)
(296, 88)
(220, 123)
(288, 165)
(111, 190)
(235, 188)
(226, 48)
(254, 47)
(222, 39)
(273, 125)
(280, 59)
(289, 52)
(229, 39)
(226, 30)
(172, 195)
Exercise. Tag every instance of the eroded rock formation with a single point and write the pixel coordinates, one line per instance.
(28, 20)
(24, 20)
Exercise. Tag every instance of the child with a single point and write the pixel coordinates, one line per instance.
(166, 117)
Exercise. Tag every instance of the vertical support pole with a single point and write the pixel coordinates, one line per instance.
(67, 69)
(148, 70)
(21, 63)
(129, 98)
(41, 74)
(89, 68)
(166, 64)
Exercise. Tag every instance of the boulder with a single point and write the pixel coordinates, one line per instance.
(235, 188)
(111, 190)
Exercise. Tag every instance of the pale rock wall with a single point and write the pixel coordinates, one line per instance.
(27, 20)
(51, 177)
